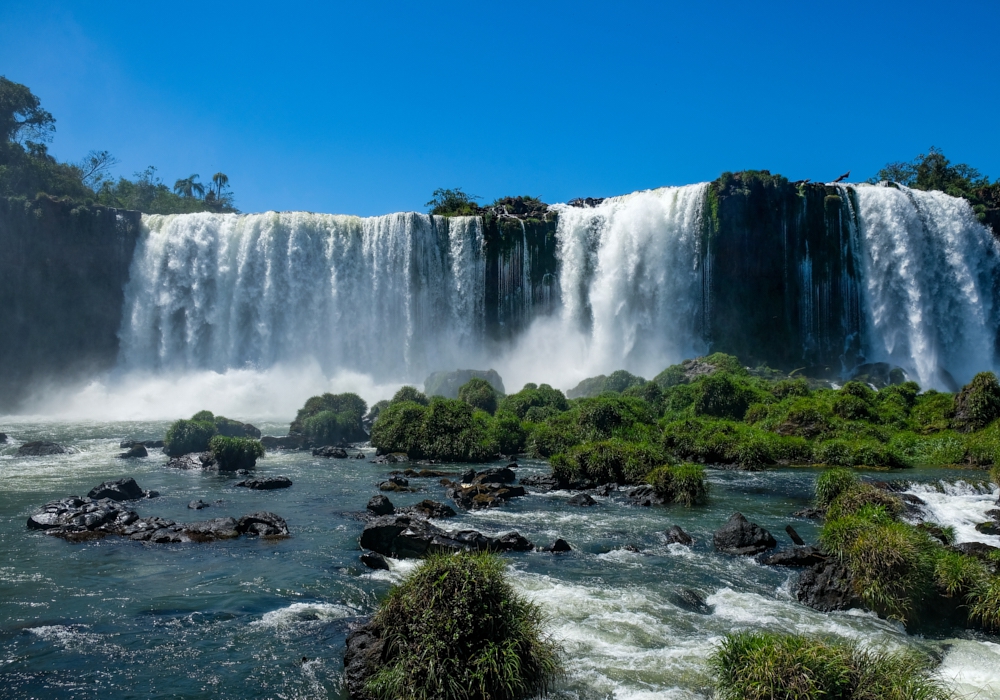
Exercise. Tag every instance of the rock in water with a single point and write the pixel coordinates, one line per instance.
(430, 509)
(197, 505)
(797, 556)
(827, 587)
(119, 490)
(3, 438)
(362, 659)
(374, 561)
(409, 536)
(263, 524)
(330, 451)
(40, 448)
(676, 535)
(691, 600)
(794, 535)
(739, 536)
(267, 483)
(137, 450)
(380, 505)
(582, 499)
(560, 545)
(193, 460)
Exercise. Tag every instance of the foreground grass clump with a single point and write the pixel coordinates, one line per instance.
(332, 418)
(455, 628)
(684, 483)
(767, 666)
(235, 453)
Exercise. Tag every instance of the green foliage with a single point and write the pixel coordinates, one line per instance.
(713, 441)
(753, 665)
(650, 392)
(399, 428)
(456, 629)
(544, 398)
(551, 438)
(832, 483)
(332, 418)
(978, 404)
(453, 203)
(234, 453)
(508, 433)
(616, 382)
(725, 395)
(147, 193)
(22, 118)
(609, 461)
(446, 429)
(862, 452)
(683, 483)
(479, 394)
(691, 370)
(186, 436)
(985, 603)
(608, 415)
(409, 393)
(204, 416)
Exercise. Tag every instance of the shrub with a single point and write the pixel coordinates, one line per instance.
(650, 392)
(932, 412)
(335, 418)
(984, 602)
(604, 416)
(548, 439)
(854, 498)
(832, 483)
(409, 393)
(725, 395)
(787, 388)
(978, 403)
(508, 433)
(456, 628)
(480, 394)
(454, 432)
(236, 453)
(608, 461)
(186, 436)
(534, 397)
(398, 428)
(684, 483)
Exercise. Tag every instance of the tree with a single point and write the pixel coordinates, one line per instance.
(933, 171)
(453, 203)
(95, 166)
(221, 181)
(21, 116)
(189, 188)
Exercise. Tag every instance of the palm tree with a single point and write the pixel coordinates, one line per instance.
(221, 180)
(189, 188)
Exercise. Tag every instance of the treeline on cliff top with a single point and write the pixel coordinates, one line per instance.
(28, 170)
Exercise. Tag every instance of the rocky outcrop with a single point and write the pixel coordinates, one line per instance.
(136, 451)
(429, 509)
(740, 536)
(483, 495)
(40, 448)
(675, 535)
(362, 658)
(266, 483)
(409, 536)
(120, 490)
(560, 545)
(330, 451)
(194, 460)
(380, 505)
(446, 384)
(797, 556)
(582, 499)
(827, 586)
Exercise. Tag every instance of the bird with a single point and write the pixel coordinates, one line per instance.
(843, 177)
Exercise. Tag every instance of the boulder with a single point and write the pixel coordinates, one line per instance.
(40, 448)
(148, 444)
(582, 499)
(3, 438)
(675, 535)
(380, 505)
(796, 556)
(394, 458)
(447, 384)
(263, 524)
(430, 509)
(134, 452)
(550, 482)
(496, 475)
(990, 528)
(330, 451)
(478, 496)
(645, 496)
(193, 460)
(120, 490)
(266, 483)
(560, 545)
(210, 530)
(515, 542)
(285, 442)
(827, 586)
(374, 561)
(362, 659)
(979, 550)
(197, 505)
(606, 489)
(810, 513)
(739, 536)
(410, 536)
(691, 600)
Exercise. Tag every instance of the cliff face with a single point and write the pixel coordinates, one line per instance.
(63, 270)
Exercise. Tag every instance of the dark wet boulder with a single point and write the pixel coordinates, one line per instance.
(3, 438)
(560, 545)
(193, 460)
(810, 513)
(796, 556)
(362, 659)
(393, 458)
(40, 448)
(148, 444)
(74, 515)
(478, 496)
(740, 536)
(210, 530)
(430, 509)
(137, 451)
(285, 442)
(263, 524)
(676, 535)
(979, 550)
(119, 490)
(515, 542)
(644, 496)
(374, 561)
(468, 475)
(582, 499)
(691, 600)
(395, 483)
(606, 489)
(380, 505)
(410, 536)
(827, 586)
(546, 482)
(266, 483)
(496, 475)
(197, 505)
(330, 451)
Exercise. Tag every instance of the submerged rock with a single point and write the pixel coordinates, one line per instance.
(374, 561)
(826, 587)
(198, 505)
(582, 499)
(40, 448)
(266, 483)
(136, 451)
(740, 536)
(692, 601)
(560, 545)
(330, 451)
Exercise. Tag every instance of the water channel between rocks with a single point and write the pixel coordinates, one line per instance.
(251, 618)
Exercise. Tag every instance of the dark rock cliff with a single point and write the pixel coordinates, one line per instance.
(63, 268)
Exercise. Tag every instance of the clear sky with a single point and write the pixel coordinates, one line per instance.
(367, 107)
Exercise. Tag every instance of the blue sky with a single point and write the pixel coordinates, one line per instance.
(366, 108)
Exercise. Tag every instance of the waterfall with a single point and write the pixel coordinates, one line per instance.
(931, 275)
(632, 278)
(393, 296)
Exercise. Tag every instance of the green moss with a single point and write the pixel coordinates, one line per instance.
(234, 453)
(455, 629)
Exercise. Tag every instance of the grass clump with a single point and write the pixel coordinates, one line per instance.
(456, 628)
(609, 461)
(234, 453)
(684, 483)
(768, 666)
(978, 403)
(186, 436)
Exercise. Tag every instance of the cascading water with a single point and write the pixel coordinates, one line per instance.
(931, 284)
(226, 291)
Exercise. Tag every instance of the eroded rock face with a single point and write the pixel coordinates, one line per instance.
(676, 535)
(826, 587)
(40, 448)
(194, 460)
(361, 659)
(119, 490)
(267, 483)
(409, 536)
(483, 495)
(740, 536)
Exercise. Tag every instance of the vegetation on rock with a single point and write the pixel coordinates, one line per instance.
(479, 394)
(456, 628)
(332, 418)
(234, 453)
